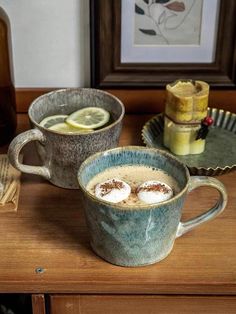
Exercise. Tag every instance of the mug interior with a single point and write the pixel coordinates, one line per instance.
(132, 155)
(67, 101)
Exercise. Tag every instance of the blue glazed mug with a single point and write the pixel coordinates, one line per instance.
(143, 234)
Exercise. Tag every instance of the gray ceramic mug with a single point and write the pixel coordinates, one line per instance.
(141, 235)
(62, 154)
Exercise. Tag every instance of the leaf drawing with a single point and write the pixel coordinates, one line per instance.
(162, 18)
(138, 10)
(148, 31)
(176, 6)
(159, 12)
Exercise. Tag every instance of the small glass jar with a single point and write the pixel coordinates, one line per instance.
(181, 138)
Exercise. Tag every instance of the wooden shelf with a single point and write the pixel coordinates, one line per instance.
(49, 231)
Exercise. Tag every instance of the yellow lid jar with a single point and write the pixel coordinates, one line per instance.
(187, 101)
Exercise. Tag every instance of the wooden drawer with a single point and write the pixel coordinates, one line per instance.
(130, 304)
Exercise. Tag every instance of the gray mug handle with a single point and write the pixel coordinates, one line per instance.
(16, 146)
(194, 183)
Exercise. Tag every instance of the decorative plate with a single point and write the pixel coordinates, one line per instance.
(219, 156)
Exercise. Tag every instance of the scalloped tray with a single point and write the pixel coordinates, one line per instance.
(219, 156)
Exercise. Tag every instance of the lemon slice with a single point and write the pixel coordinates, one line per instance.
(66, 128)
(51, 120)
(89, 118)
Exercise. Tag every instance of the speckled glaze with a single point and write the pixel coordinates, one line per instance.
(140, 235)
(62, 154)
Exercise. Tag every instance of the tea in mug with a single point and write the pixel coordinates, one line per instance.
(81, 121)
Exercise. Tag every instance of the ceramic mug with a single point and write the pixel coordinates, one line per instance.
(62, 154)
(144, 234)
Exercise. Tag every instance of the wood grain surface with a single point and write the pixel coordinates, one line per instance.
(85, 304)
(135, 100)
(38, 304)
(49, 231)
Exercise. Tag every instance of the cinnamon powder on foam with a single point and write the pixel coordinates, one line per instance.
(107, 187)
(134, 176)
(158, 187)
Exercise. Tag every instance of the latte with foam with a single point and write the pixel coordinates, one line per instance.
(132, 185)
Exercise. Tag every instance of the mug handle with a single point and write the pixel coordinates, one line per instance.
(16, 146)
(194, 183)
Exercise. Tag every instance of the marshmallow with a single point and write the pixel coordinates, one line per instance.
(151, 192)
(113, 190)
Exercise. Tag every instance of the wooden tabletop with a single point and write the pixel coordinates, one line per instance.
(49, 232)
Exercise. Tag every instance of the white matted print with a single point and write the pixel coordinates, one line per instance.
(167, 22)
(169, 31)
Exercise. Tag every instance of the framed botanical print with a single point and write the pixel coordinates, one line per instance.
(148, 43)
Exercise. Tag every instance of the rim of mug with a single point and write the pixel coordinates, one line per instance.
(77, 89)
(132, 207)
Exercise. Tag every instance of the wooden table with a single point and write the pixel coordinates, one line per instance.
(45, 251)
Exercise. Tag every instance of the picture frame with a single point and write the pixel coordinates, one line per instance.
(108, 71)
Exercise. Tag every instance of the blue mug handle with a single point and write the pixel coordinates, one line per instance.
(195, 182)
